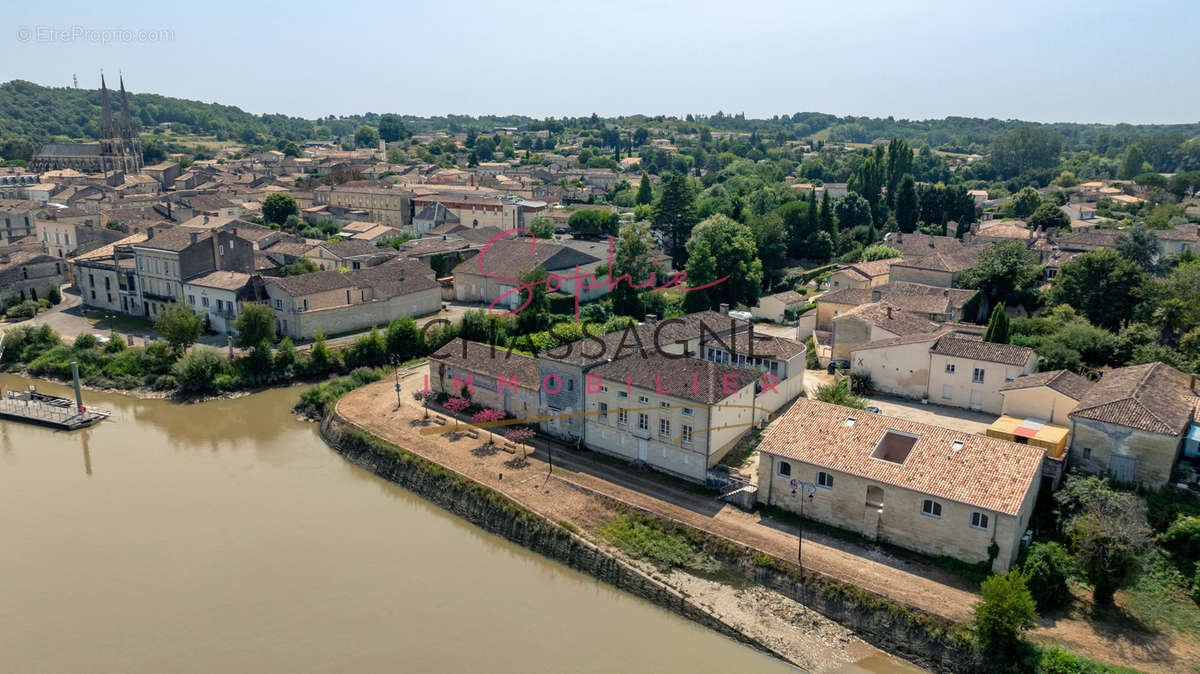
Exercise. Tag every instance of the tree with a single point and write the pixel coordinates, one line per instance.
(839, 393)
(391, 128)
(1170, 318)
(1101, 285)
(1132, 162)
(675, 216)
(278, 206)
(997, 328)
(633, 255)
(1107, 530)
(1003, 269)
(880, 252)
(1006, 609)
(196, 371)
(1025, 149)
(403, 339)
(302, 265)
(255, 324)
(899, 165)
(1025, 202)
(366, 137)
(1048, 216)
(1047, 567)
(179, 326)
(906, 204)
(771, 239)
(853, 211)
(1141, 246)
(485, 148)
(645, 194)
(322, 358)
(720, 247)
(541, 227)
(594, 222)
(532, 318)
(826, 218)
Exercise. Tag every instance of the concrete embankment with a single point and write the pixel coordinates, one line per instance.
(930, 641)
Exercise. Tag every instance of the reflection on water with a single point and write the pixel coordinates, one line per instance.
(226, 537)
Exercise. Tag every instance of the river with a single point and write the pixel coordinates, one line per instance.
(227, 537)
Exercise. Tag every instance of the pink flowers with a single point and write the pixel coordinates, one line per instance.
(457, 405)
(486, 416)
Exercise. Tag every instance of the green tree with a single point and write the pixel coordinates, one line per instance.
(1025, 149)
(1005, 610)
(633, 255)
(826, 218)
(645, 194)
(532, 318)
(853, 211)
(899, 164)
(391, 128)
(255, 324)
(1107, 530)
(322, 359)
(1025, 202)
(302, 265)
(771, 238)
(675, 216)
(997, 328)
(542, 228)
(1141, 246)
(278, 206)
(720, 247)
(907, 210)
(1047, 567)
(1132, 162)
(196, 371)
(1102, 286)
(366, 137)
(1002, 270)
(1170, 318)
(179, 326)
(839, 393)
(880, 252)
(485, 148)
(1048, 216)
(403, 339)
(594, 222)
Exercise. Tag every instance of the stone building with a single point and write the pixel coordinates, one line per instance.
(119, 149)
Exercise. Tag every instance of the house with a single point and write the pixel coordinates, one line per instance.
(922, 487)
(433, 216)
(333, 302)
(1130, 425)
(997, 231)
(872, 323)
(780, 360)
(677, 415)
(494, 377)
(939, 268)
(965, 371)
(509, 258)
(916, 244)
(1036, 412)
(107, 277)
(938, 304)
(165, 259)
(28, 274)
(775, 307)
(351, 254)
(863, 274)
(218, 295)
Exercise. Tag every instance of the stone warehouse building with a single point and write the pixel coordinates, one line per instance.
(922, 487)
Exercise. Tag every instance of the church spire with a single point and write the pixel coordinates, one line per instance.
(106, 116)
(126, 120)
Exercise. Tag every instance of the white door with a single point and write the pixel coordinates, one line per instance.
(643, 449)
(976, 400)
(1121, 467)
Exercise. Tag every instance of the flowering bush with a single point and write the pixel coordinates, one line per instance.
(486, 416)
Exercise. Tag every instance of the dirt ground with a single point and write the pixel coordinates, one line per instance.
(565, 495)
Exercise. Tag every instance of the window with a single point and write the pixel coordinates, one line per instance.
(664, 404)
(570, 384)
(278, 304)
(931, 508)
(643, 422)
(604, 389)
(687, 411)
(192, 300)
(894, 447)
(204, 301)
(622, 394)
(785, 469)
(664, 428)
(824, 480)
(603, 410)
(977, 377)
(1087, 452)
(643, 400)
(947, 391)
(979, 521)
(685, 433)
(949, 368)
(623, 417)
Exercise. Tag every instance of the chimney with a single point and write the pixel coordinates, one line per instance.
(651, 319)
(194, 236)
(724, 309)
(876, 295)
(206, 218)
(899, 237)
(889, 314)
(149, 232)
(945, 292)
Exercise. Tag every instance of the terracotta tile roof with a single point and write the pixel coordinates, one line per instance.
(687, 378)
(874, 267)
(1154, 397)
(622, 343)
(895, 320)
(1064, 381)
(916, 244)
(224, 280)
(482, 359)
(789, 297)
(974, 348)
(765, 346)
(946, 261)
(985, 472)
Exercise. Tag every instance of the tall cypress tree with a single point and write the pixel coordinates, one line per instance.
(814, 220)
(826, 218)
(997, 329)
(645, 193)
(675, 215)
(907, 209)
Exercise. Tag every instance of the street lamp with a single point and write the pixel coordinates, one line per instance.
(396, 363)
(810, 489)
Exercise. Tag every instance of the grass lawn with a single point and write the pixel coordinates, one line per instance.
(119, 322)
(1159, 599)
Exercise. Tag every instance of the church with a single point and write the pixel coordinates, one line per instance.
(119, 149)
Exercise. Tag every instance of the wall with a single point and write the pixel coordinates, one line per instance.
(349, 317)
(1041, 402)
(1155, 454)
(901, 370)
(929, 277)
(962, 386)
(485, 390)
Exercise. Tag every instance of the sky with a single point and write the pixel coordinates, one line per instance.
(1098, 61)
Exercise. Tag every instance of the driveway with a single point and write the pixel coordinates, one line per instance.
(954, 418)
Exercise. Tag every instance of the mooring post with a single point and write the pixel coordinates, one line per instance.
(78, 393)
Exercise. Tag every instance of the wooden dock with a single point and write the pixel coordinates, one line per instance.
(47, 410)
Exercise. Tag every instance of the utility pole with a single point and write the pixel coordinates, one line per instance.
(809, 488)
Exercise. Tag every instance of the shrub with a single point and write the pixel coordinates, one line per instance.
(197, 370)
(1046, 568)
(158, 357)
(24, 310)
(1006, 609)
(165, 382)
(125, 363)
(54, 362)
(1182, 540)
(114, 345)
(316, 401)
(55, 295)
(86, 341)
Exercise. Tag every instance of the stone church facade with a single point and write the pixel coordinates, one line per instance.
(119, 149)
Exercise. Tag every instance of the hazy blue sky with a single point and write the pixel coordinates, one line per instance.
(1135, 60)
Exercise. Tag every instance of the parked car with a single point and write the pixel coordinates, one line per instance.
(873, 409)
(838, 365)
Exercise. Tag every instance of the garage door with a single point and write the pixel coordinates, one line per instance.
(1121, 467)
